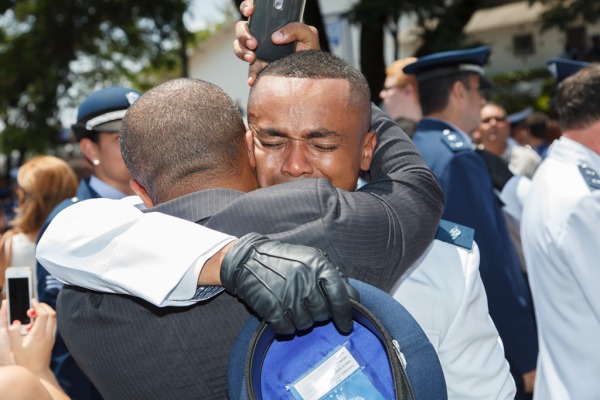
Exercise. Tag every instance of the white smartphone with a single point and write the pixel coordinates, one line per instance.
(19, 289)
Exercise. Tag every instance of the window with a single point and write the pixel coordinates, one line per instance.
(575, 47)
(523, 45)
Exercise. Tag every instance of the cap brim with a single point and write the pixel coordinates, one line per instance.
(112, 126)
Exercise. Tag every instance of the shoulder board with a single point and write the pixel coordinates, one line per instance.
(590, 176)
(454, 140)
(456, 234)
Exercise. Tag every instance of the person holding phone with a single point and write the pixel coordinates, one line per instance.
(25, 359)
(304, 211)
(466, 333)
(42, 183)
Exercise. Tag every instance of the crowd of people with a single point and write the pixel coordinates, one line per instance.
(480, 223)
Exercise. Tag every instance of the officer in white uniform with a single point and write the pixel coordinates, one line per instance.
(561, 243)
(443, 291)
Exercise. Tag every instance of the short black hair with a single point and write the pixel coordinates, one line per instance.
(537, 124)
(434, 94)
(316, 64)
(178, 129)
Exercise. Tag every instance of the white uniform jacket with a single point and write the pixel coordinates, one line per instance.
(445, 294)
(561, 241)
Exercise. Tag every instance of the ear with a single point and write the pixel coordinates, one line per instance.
(369, 143)
(250, 147)
(141, 191)
(410, 89)
(459, 90)
(476, 135)
(89, 149)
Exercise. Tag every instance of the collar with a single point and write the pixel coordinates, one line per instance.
(568, 150)
(198, 206)
(105, 190)
(431, 123)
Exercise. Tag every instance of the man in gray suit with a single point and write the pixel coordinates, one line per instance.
(365, 232)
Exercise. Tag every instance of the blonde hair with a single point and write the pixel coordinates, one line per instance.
(44, 181)
(400, 78)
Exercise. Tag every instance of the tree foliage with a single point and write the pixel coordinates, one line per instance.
(52, 50)
(561, 13)
(440, 24)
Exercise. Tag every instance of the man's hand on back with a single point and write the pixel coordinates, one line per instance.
(290, 286)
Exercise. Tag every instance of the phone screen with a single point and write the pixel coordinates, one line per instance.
(18, 292)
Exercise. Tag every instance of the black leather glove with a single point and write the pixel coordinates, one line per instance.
(290, 286)
(497, 167)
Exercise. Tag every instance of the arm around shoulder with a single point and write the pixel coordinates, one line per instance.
(111, 246)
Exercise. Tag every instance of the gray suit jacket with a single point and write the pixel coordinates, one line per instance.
(130, 349)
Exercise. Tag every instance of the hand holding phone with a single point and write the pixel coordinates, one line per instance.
(32, 351)
(6, 354)
(268, 17)
(305, 36)
(19, 290)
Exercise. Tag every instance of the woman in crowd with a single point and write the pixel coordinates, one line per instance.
(42, 183)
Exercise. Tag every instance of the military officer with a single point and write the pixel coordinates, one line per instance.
(450, 85)
(560, 242)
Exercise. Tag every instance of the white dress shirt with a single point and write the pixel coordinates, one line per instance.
(561, 241)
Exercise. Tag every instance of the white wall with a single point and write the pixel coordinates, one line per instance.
(214, 61)
(503, 58)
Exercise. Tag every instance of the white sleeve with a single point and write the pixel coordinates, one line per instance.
(513, 195)
(471, 346)
(112, 247)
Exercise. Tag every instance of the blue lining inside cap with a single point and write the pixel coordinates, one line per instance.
(288, 360)
(423, 368)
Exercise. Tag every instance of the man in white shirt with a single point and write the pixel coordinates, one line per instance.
(493, 135)
(560, 241)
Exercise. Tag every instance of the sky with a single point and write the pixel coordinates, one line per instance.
(202, 11)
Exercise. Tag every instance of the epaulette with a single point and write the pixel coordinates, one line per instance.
(453, 140)
(590, 176)
(456, 234)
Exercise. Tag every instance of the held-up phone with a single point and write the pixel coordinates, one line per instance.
(19, 289)
(268, 16)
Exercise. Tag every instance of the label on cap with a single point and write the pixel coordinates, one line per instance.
(338, 375)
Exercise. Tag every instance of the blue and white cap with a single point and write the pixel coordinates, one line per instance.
(562, 68)
(447, 63)
(104, 110)
(386, 356)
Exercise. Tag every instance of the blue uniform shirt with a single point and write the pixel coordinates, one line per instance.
(470, 200)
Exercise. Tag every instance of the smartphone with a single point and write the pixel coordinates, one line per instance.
(19, 289)
(268, 16)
